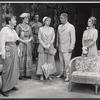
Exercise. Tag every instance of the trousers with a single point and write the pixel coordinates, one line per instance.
(64, 61)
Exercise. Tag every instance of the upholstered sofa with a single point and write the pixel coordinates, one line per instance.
(85, 70)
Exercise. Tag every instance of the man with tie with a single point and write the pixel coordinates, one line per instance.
(65, 44)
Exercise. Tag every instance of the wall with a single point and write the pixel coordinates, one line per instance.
(96, 13)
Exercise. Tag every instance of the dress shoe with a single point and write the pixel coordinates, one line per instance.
(20, 78)
(59, 75)
(4, 94)
(50, 78)
(14, 88)
(41, 78)
(67, 79)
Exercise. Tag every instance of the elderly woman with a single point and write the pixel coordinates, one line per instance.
(25, 54)
(10, 73)
(89, 38)
(46, 38)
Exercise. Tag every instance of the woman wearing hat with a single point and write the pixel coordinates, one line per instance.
(25, 54)
(46, 38)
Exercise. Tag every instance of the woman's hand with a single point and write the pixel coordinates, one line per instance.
(84, 50)
(3, 57)
(47, 46)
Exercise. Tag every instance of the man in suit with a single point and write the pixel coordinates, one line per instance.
(65, 43)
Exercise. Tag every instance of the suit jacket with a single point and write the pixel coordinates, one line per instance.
(66, 37)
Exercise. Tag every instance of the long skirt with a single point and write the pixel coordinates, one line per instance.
(42, 59)
(10, 73)
(25, 59)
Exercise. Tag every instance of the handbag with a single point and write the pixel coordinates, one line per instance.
(51, 51)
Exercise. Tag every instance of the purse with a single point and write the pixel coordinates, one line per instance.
(51, 51)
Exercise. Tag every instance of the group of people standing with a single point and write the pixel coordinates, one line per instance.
(20, 46)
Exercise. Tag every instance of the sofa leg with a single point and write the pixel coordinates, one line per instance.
(70, 86)
(96, 89)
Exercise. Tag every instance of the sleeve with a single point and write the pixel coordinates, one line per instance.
(18, 30)
(3, 41)
(31, 35)
(83, 40)
(73, 39)
(31, 32)
(95, 36)
(52, 41)
(57, 36)
(39, 37)
(17, 37)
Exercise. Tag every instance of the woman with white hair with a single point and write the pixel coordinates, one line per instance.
(46, 38)
(25, 54)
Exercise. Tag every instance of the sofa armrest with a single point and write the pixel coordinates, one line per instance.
(72, 65)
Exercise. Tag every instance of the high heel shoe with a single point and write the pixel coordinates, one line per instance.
(60, 75)
(50, 78)
(20, 78)
(41, 78)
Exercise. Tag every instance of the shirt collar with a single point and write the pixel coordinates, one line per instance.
(66, 24)
(10, 27)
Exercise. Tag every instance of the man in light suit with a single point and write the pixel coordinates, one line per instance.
(65, 43)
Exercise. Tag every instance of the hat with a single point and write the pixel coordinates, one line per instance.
(44, 18)
(23, 15)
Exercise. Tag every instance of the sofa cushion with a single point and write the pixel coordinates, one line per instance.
(85, 77)
(88, 64)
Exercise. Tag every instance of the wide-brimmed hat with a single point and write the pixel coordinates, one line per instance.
(44, 18)
(23, 15)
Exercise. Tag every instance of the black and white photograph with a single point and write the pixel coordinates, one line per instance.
(50, 50)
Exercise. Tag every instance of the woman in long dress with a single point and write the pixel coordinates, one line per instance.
(89, 38)
(25, 33)
(46, 38)
(10, 73)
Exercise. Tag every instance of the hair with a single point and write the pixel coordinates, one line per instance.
(8, 18)
(46, 19)
(93, 19)
(65, 15)
(36, 14)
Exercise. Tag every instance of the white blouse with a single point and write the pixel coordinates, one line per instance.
(7, 34)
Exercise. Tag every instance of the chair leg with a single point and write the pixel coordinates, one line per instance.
(70, 86)
(96, 89)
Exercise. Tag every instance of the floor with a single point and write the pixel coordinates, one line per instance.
(57, 88)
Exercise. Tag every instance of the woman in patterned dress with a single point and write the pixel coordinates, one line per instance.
(24, 31)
